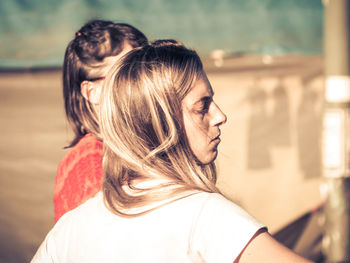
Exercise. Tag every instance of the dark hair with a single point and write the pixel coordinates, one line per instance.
(96, 40)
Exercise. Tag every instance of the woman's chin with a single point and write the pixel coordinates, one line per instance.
(208, 158)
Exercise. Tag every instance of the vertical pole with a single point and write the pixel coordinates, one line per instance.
(336, 133)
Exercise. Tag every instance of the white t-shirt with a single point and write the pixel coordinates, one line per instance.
(204, 227)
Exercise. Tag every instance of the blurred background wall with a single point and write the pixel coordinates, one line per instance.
(263, 57)
(35, 32)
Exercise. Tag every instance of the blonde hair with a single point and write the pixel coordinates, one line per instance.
(142, 128)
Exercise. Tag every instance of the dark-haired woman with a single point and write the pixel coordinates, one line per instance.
(88, 58)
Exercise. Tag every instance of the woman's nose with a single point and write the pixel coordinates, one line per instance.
(219, 117)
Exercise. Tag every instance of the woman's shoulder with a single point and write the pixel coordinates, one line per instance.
(87, 143)
(217, 208)
(88, 148)
(77, 220)
(84, 210)
(71, 229)
(223, 226)
(210, 201)
(218, 204)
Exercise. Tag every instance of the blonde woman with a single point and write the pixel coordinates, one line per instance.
(159, 203)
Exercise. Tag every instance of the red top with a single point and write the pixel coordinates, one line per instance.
(79, 175)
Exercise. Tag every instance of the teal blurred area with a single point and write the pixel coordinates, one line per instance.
(34, 33)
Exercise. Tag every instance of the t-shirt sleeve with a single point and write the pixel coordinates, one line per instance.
(221, 231)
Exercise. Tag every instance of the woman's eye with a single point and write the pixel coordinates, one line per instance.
(205, 106)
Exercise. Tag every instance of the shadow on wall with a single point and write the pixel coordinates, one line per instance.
(271, 117)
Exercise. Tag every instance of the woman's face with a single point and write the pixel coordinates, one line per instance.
(202, 120)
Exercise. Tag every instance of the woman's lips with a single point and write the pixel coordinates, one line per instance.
(216, 140)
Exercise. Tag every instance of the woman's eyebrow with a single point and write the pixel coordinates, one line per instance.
(203, 99)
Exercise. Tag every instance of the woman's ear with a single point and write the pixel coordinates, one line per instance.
(91, 91)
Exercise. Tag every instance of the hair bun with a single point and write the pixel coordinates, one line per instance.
(166, 43)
